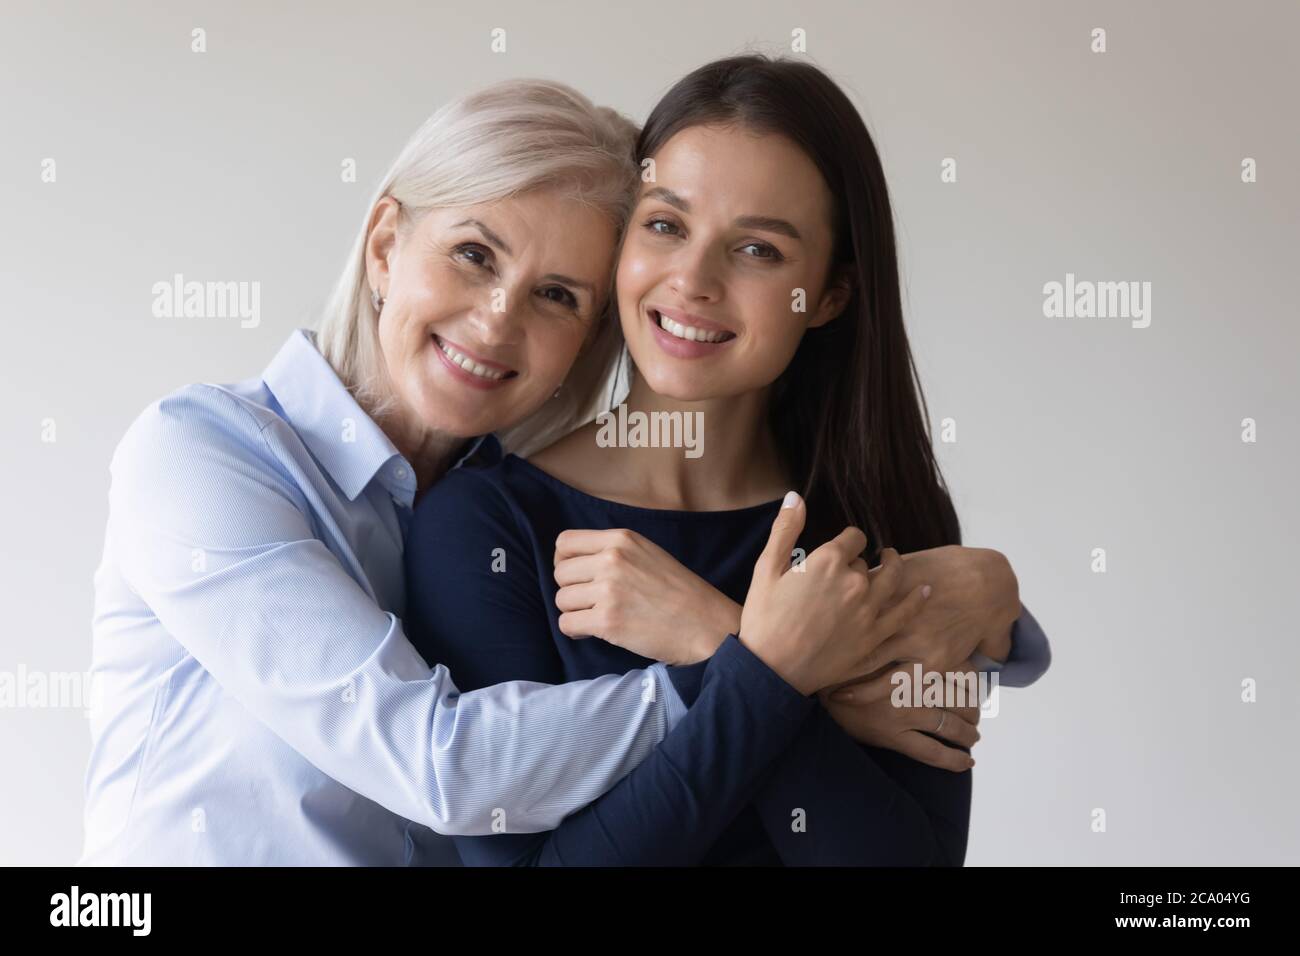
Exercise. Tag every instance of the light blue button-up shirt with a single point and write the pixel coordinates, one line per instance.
(258, 702)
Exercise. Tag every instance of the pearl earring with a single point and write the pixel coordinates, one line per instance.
(376, 300)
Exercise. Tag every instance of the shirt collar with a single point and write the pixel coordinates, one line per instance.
(350, 447)
(484, 450)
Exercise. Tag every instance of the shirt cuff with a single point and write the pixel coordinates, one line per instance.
(675, 699)
(733, 660)
(1030, 655)
(686, 680)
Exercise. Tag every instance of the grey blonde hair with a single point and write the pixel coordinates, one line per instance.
(498, 142)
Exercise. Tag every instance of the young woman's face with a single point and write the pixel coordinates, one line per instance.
(718, 247)
(486, 307)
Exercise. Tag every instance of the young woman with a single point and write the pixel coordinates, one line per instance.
(757, 290)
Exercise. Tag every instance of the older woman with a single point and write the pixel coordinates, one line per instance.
(261, 703)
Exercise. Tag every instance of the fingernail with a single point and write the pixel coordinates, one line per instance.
(925, 591)
(791, 499)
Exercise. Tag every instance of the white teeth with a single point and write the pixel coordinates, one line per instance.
(468, 364)
(689, 332)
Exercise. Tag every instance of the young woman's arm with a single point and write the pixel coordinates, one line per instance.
(832, 801)
(477, 605)
(974, 587)
(480, 607)
(863, 806)
(653, 606)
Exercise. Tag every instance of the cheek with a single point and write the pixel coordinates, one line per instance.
(428, 288)
(775, 329)
(638, 275)
(636, 271)
(552, 351)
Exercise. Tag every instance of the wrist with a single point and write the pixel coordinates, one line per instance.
(724, 620)
(777, 658)
(998, 645)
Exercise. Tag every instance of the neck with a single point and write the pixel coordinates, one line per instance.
(739, 465)
(430, 453)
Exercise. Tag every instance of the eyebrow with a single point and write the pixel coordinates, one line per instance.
(488, 234)
(766, 223)
(567, 280)
(769, 224)
(668, 196)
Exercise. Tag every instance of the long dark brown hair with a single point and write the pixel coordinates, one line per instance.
(848, 412)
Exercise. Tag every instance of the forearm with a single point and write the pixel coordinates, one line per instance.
(827, 800)
(830, 801)
(671, 809)
(401, 734)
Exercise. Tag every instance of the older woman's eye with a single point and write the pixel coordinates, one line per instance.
(560, 295)
(473, 253)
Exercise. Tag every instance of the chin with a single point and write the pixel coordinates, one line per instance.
(440, 415)
(683, 388)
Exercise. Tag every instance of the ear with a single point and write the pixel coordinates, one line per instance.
(839, 289)
(381, 242)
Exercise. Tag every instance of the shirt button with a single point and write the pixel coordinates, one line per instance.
(400, 473)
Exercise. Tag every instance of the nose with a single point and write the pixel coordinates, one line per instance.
(496, 319)
(695, 273)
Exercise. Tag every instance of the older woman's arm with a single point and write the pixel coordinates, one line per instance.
(210, 529)
(1027, 657)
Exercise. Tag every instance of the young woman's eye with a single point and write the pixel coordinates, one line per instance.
(473, 253)
(761, 251)
(561, 296)
(669, 227)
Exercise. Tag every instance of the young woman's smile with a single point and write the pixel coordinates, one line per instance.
(686, 335)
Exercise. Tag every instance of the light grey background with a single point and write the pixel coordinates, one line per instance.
(1072, 434)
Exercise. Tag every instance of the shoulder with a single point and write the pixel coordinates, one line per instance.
(195, 448)
(471, 505)
(196, 419)
(570, 459)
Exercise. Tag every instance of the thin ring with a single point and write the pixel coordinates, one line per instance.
(943, 715)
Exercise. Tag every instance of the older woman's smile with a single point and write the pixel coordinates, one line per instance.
(471, 368)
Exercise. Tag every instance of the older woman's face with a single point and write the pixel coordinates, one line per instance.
(486, 307)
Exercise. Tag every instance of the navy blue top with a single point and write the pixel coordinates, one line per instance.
(755, 773)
